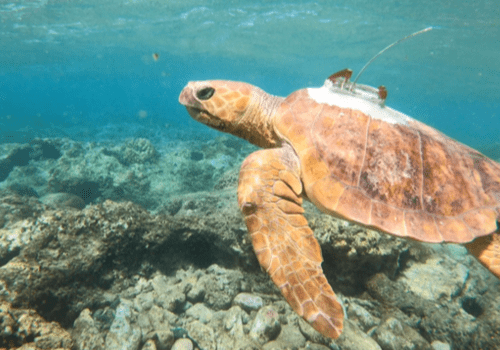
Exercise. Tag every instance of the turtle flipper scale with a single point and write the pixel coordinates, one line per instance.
(269, 198)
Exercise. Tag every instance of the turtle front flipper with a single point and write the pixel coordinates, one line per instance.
(269, 196)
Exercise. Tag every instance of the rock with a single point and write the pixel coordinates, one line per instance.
(19, 156)
(355, 251)
(203, 335)
(234, 320)
(144, 301)
(106, 178)
(86, 333)
(231, 329)
(312, 346)
(454, 321)
(164, 338)
(63, 201)
(436, 279)
(136, 151)
(149, 345)
(248, 302)
(22, 326)
(144, 324)
(200, 312)
(45, 253)
(170, 297)
(437, 345)
(173, 265)
(183, 344)
(229, 342)
(21, 190)
(288, 339)
(352, 338)
(310, 333)
(45, 149)
(123, 334)
(196, 293)
(159, 316)
(361, 317)
(394, 335)
(266, 325)
(228, 180)
(221, 286)
(52, 251)
(104, 317)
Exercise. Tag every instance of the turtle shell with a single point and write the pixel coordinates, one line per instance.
(368, 163)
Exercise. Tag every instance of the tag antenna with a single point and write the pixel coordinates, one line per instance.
(384, 50)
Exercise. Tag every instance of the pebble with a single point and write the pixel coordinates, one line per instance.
(235, 317)
(437, 345)
(362, 317)
(144, 301)
(149, 345)
(183, 344)
(204, 335)
(86, 331)
(164, 339)
(170, 297)
(266, 325)
(393, 334)
(200, 312)
(312, 346)
(248, 302)
(196, 293)
(122, 333)
(353, 338)
(288, 338)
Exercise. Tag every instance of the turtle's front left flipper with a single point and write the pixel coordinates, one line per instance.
(269, 195)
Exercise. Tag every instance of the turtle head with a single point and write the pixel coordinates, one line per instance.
(233, 107)
(216, 103)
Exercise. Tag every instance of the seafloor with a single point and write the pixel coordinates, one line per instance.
(137, 245)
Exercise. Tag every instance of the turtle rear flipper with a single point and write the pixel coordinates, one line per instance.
(269, 195)
(487, 250)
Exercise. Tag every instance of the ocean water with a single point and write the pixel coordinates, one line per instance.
(89, 118)
(86, 64)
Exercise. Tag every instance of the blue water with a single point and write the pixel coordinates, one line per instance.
(78, 65)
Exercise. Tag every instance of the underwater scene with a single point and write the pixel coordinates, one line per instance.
(126, 223)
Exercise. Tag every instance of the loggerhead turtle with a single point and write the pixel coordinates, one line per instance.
(340, 147)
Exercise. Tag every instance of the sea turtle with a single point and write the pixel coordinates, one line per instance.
(340, 147)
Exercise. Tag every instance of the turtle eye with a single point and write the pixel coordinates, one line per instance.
(206, 93)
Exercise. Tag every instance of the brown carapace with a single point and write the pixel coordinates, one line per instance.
(340, 147)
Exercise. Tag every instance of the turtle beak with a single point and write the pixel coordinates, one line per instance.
(196, 110)
(187, 97)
